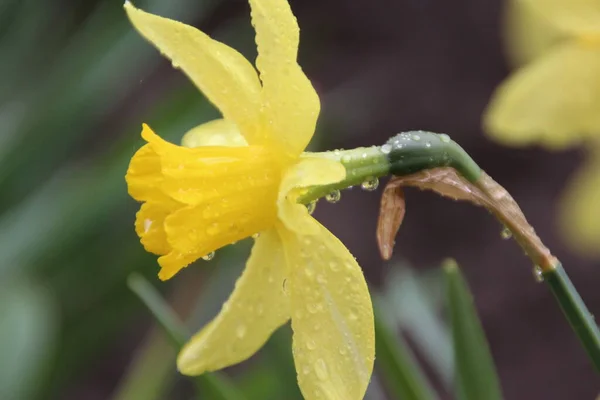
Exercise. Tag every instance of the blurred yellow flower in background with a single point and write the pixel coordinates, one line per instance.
(242, 176)
(553, 99)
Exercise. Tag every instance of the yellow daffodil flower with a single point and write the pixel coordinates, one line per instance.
(243, 176)
(554, 97)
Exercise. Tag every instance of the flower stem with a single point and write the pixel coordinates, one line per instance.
(575, 310)
(362, 164)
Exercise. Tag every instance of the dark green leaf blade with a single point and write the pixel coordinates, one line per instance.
(400, 373)
(476, 376)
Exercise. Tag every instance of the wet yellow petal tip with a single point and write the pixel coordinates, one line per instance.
(332, 318)
(257, 306)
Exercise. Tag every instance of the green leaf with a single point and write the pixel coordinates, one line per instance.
(476, 377)
(400, 373)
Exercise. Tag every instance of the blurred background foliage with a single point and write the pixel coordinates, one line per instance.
(76, 84)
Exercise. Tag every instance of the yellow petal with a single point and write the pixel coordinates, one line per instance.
(332, 317)
(307, 172)
(580, 209)
(576, 16)
(149, 225)
(224, 76)
(554, 101)
(527, 34)
(219, 132)
(257, 306)
(290, 103)
(144, 176)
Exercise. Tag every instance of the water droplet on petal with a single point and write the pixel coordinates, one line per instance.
(310, 344)
(321, 369)
(334, 266)
(334, 196)
(505, 233)
(445, 138)
(311, 206)
(256, 235)
(147, 225)
(538, 274)
(386, 148)
(209, 256)
(240, 332)
(370, 184)
(416, 138)
(312, 308)
(428, 144)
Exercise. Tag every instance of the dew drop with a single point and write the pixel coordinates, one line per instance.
(416, 138)
(240, 332)
(538, 274)
(370, 184)
(445, 138)
(428, 144)
(213, 229)
(321, 369)
(386, 148)
(147, 225)
(311, 207)
(306, 370)
(334, 266)
(334, 196)
(309, 272)
(312, 308)
(505, 233)
(256, 235)
(346, 158)
(310, 344)
(209, 256)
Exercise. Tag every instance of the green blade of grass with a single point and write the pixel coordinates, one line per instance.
(400, 373)
(476, 377)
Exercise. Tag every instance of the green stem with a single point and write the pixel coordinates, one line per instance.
(575, 310)
(211, 386)
(362, 164)
(404, 154)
